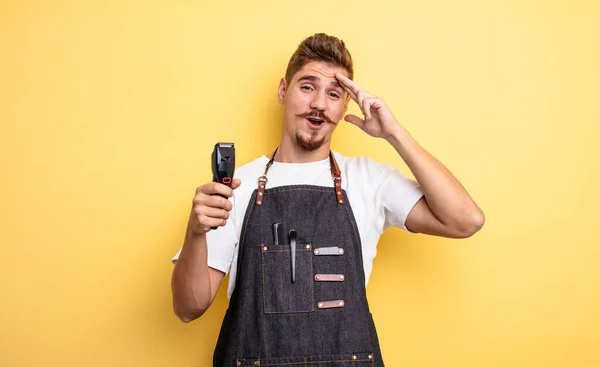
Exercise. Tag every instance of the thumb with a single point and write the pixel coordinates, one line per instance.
(353, 119)
(236, 183)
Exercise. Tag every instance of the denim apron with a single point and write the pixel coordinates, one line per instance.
(301, 301)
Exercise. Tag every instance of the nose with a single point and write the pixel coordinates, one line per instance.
(319, 101)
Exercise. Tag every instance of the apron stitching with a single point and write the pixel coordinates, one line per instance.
(312, 284)
(246, 227)
(262, 260)
(312, 362)
(353, 229)
(282, 312)
(262, 255)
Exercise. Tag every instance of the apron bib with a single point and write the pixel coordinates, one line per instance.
(301, 301)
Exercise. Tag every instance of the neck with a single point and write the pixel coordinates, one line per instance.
(290, 152)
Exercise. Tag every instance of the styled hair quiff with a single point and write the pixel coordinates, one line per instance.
(320, 47)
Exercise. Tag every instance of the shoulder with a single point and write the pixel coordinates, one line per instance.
(361, 166)
(251, 168)
(248, 174)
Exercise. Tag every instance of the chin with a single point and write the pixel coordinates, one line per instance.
(309, 145)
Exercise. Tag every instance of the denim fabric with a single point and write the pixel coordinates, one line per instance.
(272, 321)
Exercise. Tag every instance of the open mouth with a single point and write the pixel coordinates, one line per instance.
(315, 122)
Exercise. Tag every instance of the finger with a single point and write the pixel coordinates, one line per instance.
(348, 83)
(216, 188)
(214, 213)
(367, 103)
(350, 93)
(342, 79)
(360, 98)
(236, 183)
(212, 222)
(353, 119)
(213, 201)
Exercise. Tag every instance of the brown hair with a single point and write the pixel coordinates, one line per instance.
(320, 47)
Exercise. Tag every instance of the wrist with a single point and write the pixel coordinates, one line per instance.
(195, 233)
(398, 136)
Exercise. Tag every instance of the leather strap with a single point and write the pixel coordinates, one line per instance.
(337, 178)
(329, 277)
(336, 175)
(319, 251)
(331, 304)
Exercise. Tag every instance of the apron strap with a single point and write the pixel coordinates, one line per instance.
(335, 174)
(337, 178)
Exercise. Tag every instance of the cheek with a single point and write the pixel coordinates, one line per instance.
(337, 111)
(296, 100)
(300, 106)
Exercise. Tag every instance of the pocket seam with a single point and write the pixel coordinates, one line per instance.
(312, 287)
(305, 362)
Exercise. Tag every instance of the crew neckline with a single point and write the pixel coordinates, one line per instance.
(267, 159)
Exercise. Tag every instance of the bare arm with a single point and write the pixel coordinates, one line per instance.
(194, 284)
(447, 209)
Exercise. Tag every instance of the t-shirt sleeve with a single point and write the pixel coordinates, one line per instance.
(385, 196)
(398, 195)
(221, 244)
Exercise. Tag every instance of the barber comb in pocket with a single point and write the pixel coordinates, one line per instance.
(278, 234)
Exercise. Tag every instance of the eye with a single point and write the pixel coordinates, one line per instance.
(334, 94)
(306, 87)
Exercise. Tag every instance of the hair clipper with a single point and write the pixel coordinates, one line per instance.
(223, 164)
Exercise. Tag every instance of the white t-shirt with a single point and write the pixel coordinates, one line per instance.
(379, 195)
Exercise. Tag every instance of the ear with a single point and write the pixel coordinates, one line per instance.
(281, 90)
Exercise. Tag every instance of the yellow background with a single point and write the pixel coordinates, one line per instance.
(109, 111)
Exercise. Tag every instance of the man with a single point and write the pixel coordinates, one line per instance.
(297, 295)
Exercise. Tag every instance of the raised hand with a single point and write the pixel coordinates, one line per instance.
(378, 120)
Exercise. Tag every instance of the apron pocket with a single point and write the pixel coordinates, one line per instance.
(281, 294)
(340, 360)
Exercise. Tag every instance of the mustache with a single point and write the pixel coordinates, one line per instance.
(316, 115)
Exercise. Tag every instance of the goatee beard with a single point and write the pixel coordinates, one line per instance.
(309, 145)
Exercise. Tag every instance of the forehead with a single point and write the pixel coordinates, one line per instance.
(324, 71)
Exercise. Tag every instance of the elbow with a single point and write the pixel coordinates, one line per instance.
(471, 224)
(187, 316)
(187, 310)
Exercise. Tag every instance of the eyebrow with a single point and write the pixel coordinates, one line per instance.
(313, 78)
